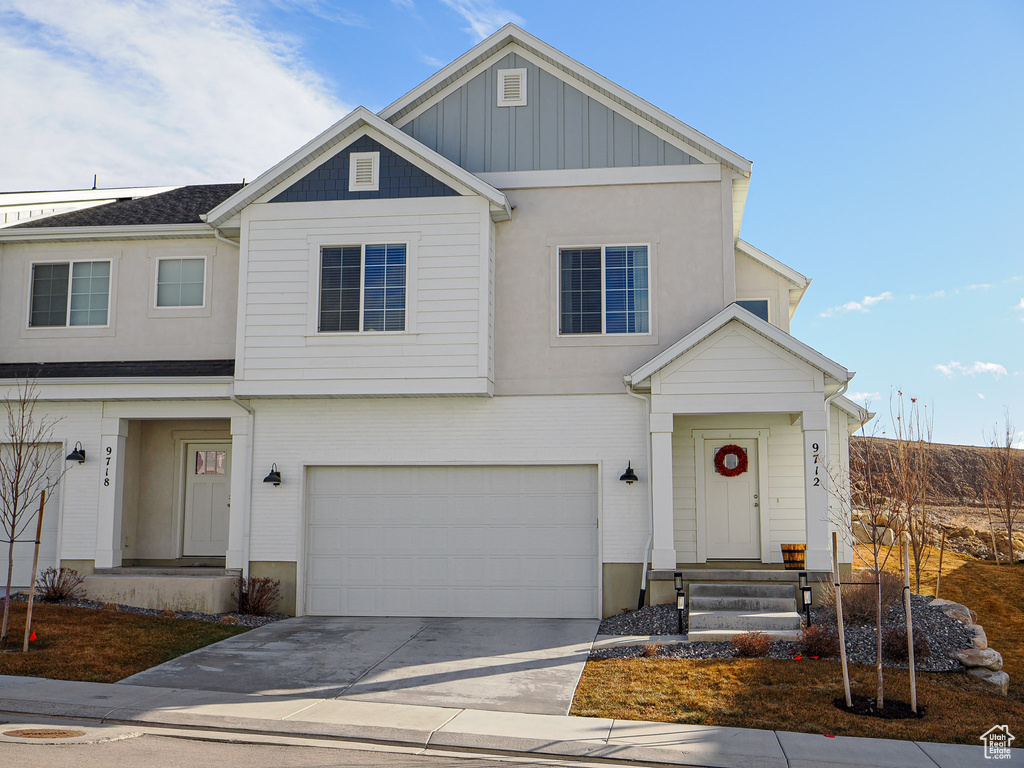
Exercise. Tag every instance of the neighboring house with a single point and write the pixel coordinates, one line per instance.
(19, 207)
(450, 327)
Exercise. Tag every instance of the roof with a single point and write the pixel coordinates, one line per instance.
(177, 206)
(117, 369)
(336, 138)
(860, 414)
(790, 274)
(736, 313)
(629, 104)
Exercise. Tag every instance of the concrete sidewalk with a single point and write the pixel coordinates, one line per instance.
(468, 729)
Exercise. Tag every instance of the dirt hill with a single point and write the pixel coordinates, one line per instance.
(955, 493)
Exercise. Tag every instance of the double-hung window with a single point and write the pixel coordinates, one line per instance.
(362, 288)
(604, 290)
(73, 293)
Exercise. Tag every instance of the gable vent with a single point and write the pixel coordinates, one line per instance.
(511, 87)
(363, 171)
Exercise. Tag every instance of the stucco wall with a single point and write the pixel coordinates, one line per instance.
(138, 331)
(681, 222)
(756, 281)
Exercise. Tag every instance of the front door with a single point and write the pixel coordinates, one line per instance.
(733, 500)
(207, 489)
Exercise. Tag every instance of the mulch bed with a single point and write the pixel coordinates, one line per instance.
(868, 707)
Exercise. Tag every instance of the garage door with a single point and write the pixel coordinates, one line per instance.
(452, 541)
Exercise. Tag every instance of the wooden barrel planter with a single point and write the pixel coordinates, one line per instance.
(793, 556)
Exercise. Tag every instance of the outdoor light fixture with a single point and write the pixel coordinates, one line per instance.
(805, 596)
(629, 476)
(274, 476)
(78, 454)
(680, 599)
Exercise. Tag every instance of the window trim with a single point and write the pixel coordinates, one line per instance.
(766, 299)
(61, 330)
(316, 245)
(156, 282)
(208, 253)
(604, 288)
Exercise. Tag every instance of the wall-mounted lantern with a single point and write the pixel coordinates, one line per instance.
(78, 454)
(629, 476)
(274, 476)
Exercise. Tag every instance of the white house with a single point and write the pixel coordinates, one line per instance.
(448, 328)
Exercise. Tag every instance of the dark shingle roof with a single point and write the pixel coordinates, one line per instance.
(116, 369)
(178, 206)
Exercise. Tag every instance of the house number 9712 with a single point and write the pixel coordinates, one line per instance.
(106, 470)
(815, 452)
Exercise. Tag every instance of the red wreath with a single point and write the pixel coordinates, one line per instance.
(741, 459)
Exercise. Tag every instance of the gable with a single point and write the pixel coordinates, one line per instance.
(559, 127)
(398, 178)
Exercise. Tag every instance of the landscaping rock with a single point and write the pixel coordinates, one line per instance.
(980, 639)
(954, 610)
(999, 679)
(978, 657)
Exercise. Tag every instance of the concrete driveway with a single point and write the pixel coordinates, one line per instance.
(508, 665)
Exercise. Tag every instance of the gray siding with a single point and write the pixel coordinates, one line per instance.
(560, 127)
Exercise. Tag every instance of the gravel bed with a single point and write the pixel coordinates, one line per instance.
(945, 636)
(237, 619)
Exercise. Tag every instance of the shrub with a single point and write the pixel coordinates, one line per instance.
(859, 598)
(894, 644)
(257, 596)
(820, 640)
(64, 584)
(650, 650)
(752, 644)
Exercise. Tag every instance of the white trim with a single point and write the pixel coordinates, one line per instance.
(624, 102)
(422, 387)
(700, 467)
(735, 313)
(120, 232)
(140, 388)
(63, 331)
(354, 161)
(860, 414)
(346, 130)
(506, 75)
(203, 309)
(598, 177)
(790, 274)
(767, 300)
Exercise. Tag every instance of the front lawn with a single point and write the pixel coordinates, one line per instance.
(101, 646)
(797, 695)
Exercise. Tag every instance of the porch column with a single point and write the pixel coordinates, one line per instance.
(664, 555)
(238, 502)
(816, 490)
(108, 518)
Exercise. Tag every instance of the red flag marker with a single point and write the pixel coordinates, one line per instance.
(32, 636)
(798, 658)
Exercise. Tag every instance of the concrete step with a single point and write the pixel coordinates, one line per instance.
(745, 621)
(725, 635)
(755, 575)
(745, 604)
(770, 591)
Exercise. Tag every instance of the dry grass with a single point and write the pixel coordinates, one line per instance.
(797, 695)
(101, 646)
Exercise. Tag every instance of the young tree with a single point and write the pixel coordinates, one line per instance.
(29, 465)
(910, 460)
(1004, 477)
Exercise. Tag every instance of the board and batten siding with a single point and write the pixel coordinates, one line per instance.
(445, 348)
(559, 127)
(603, 430)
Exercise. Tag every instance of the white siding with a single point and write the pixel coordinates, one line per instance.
(446, 338)
(783, 499)
(606, 430)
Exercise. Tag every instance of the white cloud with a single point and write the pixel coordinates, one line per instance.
(981, 396)
(864, 305)
(483, 16)
(409, 4)
(1020, 306)
(971, 370)
(431, 61)
(863, 397)
(322, 10)
(149, 93)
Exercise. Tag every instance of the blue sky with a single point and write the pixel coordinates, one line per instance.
(885, 137)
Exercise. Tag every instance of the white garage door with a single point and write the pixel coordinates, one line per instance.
(452, 541)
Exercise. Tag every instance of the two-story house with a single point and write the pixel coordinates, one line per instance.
(497, 350)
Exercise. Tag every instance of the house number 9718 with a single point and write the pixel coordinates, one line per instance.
(106, 470)
(815, 452)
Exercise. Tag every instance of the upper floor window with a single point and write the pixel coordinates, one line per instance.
(758, 307)
(362, 288)
(73, 293)
(180, 282)
(604, 290)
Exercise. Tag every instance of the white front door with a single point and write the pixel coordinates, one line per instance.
(207, 487)
(733, 503)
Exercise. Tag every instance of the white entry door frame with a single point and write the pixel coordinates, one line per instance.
(207, 498)
(700, 439)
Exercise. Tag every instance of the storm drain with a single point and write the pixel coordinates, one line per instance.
(44, 733)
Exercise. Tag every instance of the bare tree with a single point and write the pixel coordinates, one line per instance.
(1004, 478)
(29, 465)
(910, 460)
